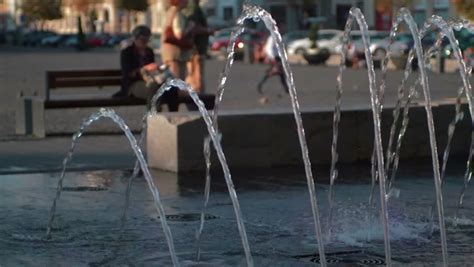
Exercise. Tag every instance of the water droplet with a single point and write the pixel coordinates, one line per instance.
(223, 81)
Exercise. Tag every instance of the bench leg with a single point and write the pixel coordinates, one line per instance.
(30, 116)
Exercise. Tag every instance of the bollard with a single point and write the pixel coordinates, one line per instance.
(29, 117)
(439, 62)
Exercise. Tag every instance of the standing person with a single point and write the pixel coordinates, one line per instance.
(177, 39)
(132, 59)
(276, 68)
(201, 42)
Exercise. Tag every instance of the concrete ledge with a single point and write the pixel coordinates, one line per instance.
(270, 139)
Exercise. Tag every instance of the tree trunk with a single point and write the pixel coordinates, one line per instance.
(81, 39)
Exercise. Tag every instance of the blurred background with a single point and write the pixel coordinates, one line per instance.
(303, 23)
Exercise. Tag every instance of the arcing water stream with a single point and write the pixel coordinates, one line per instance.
(381, 169)
(143, 165)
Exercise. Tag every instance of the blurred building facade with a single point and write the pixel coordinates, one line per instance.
(7, 15)
(289, 14)
(422, 9)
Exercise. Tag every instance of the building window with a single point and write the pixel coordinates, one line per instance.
(228, 13)
(342, 14)
(210, 12)
(279, 14)
(419, 16)
(106, 15)
(444, 13)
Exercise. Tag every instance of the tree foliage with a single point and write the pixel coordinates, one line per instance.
(40, 10)
(82, 6)
(465, 8)
(313, 34)
(309, 3)
(133, 5)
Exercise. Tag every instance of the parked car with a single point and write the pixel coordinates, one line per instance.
(220, 44)
(253, 38)
(116, 39)
(55, 40)
(328, 39)
(294, 35)
(356, 48)
(220, 34)
(93, 40)
(34, 38)
(257, 41)
(379, 47)
(49, 40)
(71, 41)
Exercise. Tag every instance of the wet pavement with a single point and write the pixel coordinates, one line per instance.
(275, 207)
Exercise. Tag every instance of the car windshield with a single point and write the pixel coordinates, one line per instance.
(356, 37)
(291, 36)
(223, 33)
(326, 36)
(374, 36)
(378, 36)
(251, 36)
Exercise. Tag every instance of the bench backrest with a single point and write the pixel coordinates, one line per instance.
(81, 78)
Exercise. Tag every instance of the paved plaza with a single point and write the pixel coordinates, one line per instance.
(23, 71)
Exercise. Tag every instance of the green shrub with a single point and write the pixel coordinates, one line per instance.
(313, 35)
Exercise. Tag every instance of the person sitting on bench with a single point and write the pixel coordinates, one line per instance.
(133, 59)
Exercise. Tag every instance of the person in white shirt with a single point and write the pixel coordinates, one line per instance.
(276, 67)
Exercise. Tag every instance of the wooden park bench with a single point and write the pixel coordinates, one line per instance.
(30, 109)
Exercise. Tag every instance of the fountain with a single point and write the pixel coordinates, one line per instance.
(336, 228)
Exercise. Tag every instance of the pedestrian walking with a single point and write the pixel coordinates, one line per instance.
(275, 68)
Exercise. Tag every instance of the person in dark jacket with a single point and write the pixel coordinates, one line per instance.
(132, 59)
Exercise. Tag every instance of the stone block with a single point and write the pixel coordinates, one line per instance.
(266, 140)
(162, 142)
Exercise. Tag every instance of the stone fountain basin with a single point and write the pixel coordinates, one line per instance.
(254, 139)
(276, 210)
